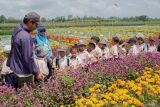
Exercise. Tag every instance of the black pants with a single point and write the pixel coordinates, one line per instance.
(14, 81)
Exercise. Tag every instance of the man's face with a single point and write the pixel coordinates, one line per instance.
(32, 25)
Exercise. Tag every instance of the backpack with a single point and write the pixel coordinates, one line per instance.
(57, 61)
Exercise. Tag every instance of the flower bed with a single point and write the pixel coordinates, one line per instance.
(66, 86)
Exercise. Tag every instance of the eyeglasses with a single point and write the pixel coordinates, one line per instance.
(43, 30)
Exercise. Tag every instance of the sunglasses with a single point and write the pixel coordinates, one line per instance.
(43, 30)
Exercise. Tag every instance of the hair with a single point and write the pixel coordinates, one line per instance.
(92, 44)
(121, 42)
(26, 20)
(115, 39)
(96, 38)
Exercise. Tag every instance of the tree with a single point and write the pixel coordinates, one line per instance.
(2, 19)
(43, 19)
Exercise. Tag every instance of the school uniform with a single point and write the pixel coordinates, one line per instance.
(61, 62)
(114, 51)
(133, 50)
(122, 52)
(75, 62)
(105, 53)
(97, 52)
(84, 56)
(142, 47)
(152, 49)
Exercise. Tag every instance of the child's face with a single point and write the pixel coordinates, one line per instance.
(82, 48)
(102, 46)
(139, 40)
(113, 43)
(62, 53)
(74, 53)
(151, 42)
(90, 48)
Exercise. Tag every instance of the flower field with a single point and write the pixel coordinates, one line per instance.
(129, 82)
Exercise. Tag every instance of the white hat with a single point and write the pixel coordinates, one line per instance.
(63, 48)
(7, 49)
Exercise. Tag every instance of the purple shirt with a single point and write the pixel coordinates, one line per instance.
(21, 60)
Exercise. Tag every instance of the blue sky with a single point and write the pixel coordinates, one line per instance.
(102, 8)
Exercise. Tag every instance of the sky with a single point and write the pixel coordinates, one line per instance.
(101, 8)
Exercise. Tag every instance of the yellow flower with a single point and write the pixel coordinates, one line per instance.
(61, 105)
(124, 104)
(113, 102)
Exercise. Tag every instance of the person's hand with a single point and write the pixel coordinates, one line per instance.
(40, 76)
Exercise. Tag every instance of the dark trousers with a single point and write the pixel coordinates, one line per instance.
(18, 82)
(10, 79)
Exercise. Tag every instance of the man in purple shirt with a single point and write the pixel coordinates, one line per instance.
(21, 59)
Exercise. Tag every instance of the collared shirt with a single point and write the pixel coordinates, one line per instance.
(75, 62)
(114, 51)
(97, 52)
(142, 47)
(152, 48)
(62, 62)
(84, 56)
(133, 50)
(105, 53)
(122, 52)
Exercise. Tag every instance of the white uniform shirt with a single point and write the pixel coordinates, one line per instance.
(5, 69)
(62, 63)
(42, 66)
(122, 52)
(114, 51)
(142, 47)
(133, 50)
(84, 56)
(97, 52)
(105, 53)
(75, 62)
(152, 49)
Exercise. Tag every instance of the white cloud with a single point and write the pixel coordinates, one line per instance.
(103, 8)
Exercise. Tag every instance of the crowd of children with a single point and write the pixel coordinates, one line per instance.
(83, 54)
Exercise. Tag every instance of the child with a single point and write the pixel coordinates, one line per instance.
(97, 51)
(142, 46)
(90, 48)
(6, 72)
(104, 48)
(83, 54)
(133, 48)
(75, 61)
(114, 48)
(61, 61)
(122, 49)
(151, 46)
(40, 60)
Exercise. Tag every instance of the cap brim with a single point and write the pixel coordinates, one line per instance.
(61, 50)
(81, 44)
